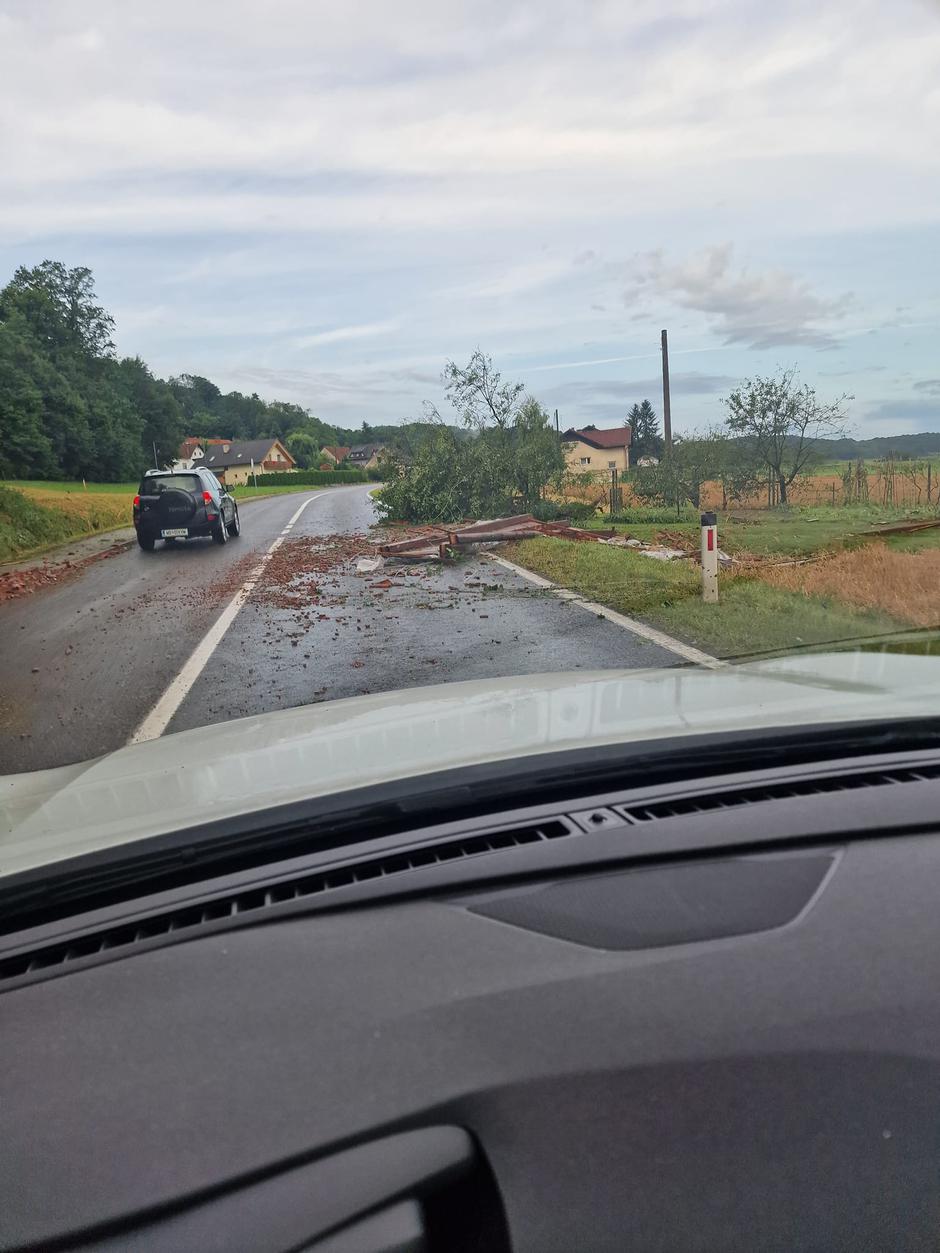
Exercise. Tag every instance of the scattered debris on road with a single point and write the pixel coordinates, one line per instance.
(25, 579)
(438, 543)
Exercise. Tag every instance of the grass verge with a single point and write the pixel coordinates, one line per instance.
(32, 521)
(904, 584)
(752, 616)
(87, 489)
(796, 532)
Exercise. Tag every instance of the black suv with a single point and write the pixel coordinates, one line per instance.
(180, 504)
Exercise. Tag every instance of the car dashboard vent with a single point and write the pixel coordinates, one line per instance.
(102, 940)
(732, 798)
(169, 922)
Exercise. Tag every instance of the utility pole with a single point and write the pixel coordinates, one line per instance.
(557, 428)
(667, 407)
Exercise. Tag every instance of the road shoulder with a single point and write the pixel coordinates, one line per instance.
(685, 651)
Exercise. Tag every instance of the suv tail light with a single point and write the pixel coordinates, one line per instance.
(207, 498)
(136, 502)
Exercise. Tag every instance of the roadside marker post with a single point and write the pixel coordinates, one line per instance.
(710, 558)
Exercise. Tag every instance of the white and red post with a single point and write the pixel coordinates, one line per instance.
(710, 558)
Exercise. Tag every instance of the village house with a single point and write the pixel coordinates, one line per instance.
(338, 452)
(234, 461)
(597, 452)
(365, 456)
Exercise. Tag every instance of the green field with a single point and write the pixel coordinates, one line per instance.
(750, 617)
(795, 532)
(872, 465)
(52, 485)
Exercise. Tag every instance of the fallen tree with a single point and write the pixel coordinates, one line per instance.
(503, 466)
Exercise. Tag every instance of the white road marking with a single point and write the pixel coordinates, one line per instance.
(159, 717)
(685, 651)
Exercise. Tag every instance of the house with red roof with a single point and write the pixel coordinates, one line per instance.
(590, 450)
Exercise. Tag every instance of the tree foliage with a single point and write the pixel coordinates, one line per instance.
(512, 456)
(694, 460)
(305, 449)
(479, 395)
(70, 409)
(645, 439)
(782, 422)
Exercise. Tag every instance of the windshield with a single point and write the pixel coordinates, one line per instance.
(153, 484)
(569, 371)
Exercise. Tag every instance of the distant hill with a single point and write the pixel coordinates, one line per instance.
(919, 444)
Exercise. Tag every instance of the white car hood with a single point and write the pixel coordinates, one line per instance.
(254, 763)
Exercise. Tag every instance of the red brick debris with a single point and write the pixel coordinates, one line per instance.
(303, 570)
(25, 581)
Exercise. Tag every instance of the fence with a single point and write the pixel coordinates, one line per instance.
(903, 487)
(898, 484)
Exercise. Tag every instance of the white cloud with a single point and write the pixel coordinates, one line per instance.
(758, 310)
(339, 334)
(295, 169)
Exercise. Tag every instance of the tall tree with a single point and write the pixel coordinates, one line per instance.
(695, 460)
(59, 304)
(783, 422)
(26, 451)
(645, 440)
(304, 449)
(156, 406)
(538, 457)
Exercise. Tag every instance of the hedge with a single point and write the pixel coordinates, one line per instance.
(313, 477)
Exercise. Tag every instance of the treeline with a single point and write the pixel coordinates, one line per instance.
(901, 447)
(70, 409)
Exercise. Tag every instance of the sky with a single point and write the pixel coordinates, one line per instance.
(324, 202)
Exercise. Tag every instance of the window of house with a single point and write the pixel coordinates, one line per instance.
(585, 461)
(611, 465)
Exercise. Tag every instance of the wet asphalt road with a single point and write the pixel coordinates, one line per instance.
(84, 662)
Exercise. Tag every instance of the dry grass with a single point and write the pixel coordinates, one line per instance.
(86, 512)
(905, 585)
(32, 520)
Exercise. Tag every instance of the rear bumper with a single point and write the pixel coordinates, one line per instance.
(194, 530)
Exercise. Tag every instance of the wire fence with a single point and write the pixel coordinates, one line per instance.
(896, 484)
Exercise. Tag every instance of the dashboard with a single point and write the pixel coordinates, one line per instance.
(695, 1016)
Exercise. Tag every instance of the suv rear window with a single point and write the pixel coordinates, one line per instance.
(155, 483)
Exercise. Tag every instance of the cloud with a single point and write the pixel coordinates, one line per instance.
(923, 412)
(629, 390)
(263, 184)
(340, 334)
(344, 394)
(758, 310)
(931, 386)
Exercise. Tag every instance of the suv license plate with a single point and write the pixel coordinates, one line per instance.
(175, 532)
